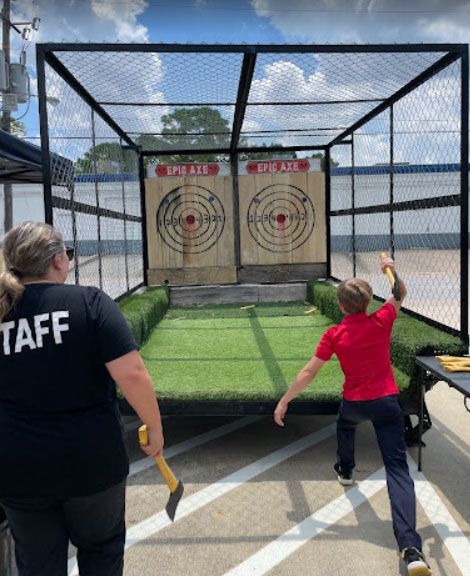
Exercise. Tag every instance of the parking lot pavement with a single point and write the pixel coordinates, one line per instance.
(264, 500)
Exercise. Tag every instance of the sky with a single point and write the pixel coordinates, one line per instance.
(239, 21)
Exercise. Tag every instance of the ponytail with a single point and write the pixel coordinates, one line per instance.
(28, 249)
(11, 290)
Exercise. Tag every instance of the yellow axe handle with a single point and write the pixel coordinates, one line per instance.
(165, 470)
(389, 273)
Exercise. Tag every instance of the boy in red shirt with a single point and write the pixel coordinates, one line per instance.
(362, 345)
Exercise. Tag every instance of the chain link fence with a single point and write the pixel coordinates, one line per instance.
(95, 192)
(396, 187)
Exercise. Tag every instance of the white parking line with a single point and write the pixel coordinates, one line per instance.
(192, 503)
(442, 520)
(145, 463)
(278, 550)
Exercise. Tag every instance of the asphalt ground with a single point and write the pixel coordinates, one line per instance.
(264, 500)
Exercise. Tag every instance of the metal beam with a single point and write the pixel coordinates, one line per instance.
(464, 218)
(66, 75)
(412, 85)
(417, 204)
(44, 131)
(143, 211)
(328, 210)
(226, 151)
(205, 104)
(66, 204)
(246, 48)
(246, 76)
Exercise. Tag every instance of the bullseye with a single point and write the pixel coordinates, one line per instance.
(280, 218)
(190, 219)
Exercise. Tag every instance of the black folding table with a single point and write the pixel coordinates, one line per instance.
(458, 380)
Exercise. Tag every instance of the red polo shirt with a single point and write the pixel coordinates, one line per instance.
(362, 345)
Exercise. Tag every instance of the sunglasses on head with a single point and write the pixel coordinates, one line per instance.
(70, 253)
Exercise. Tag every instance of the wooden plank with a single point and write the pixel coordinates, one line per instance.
(184, 249)
(289, 226)
(282, 272)
(193, 276)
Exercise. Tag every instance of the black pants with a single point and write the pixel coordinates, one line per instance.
(42, 528)
(387, 419)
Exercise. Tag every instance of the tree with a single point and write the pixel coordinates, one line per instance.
(110, 158)
(17, 128)
(333, 163)
(193, 128)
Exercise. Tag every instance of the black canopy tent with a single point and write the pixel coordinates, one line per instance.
(21, 162)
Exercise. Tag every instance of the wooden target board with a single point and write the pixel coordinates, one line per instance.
(282, 218)
(190, 230)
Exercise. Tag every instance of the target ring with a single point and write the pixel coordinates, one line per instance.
(280, 218)
(190, 219)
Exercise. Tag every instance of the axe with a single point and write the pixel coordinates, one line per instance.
(392, 278)
(176, 486)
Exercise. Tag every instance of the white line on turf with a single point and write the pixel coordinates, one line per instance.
(442, 520)
(198, 500)
(199, 440)
(278, 550)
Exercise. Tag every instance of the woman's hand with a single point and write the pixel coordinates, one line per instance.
(280, 412)
(156, 442)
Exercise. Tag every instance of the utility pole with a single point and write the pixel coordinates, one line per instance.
(6, 120)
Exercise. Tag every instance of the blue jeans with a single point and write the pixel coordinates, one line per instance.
(387, 418)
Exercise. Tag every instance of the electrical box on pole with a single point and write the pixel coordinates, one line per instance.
(19, 82)
(3, 72)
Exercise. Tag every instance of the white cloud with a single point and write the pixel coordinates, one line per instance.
(381, 21)
(124, 18)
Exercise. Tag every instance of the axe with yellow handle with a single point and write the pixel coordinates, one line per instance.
(392, 278)
(455, 367)
(453, 359)
(176, 486)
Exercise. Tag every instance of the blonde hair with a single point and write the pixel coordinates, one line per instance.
(28, 249)
(354, 295)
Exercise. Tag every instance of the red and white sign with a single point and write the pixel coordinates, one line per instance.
(162, 170)
(273, 166)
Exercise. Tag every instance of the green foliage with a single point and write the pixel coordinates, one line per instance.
(144, 311)
(110, 158)
(410, 337)
(17, 128)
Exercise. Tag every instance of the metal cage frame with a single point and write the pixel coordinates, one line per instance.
(453, 53)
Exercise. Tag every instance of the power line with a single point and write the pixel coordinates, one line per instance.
(299, 10)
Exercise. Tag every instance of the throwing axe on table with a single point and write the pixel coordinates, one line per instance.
(175, 486)
(392, 278)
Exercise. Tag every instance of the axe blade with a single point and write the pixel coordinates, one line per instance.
(174, 500)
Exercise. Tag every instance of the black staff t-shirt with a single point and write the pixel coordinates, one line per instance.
(60, 431)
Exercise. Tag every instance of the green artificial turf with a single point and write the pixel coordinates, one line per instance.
(225, 353)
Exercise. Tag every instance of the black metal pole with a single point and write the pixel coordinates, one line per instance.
(236, 210)
(97, 198)
(464, 205)
(392, 183)
(123, 190)
(44, 128)
(328, 209)
(421, 417)
(353, 204)
(143, 209)
(74, 233)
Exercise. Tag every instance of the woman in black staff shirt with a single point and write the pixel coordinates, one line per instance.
(63, 464)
